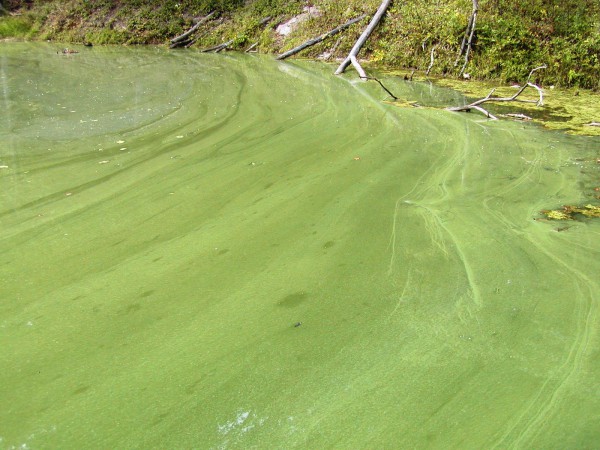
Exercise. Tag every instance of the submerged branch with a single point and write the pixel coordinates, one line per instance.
(363, 76)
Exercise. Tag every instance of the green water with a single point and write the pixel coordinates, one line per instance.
(169, 218)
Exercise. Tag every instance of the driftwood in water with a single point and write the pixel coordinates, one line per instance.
(467, 41)
(184, 39)
(363, 38)
(321, 38)
(518, 116)
(476, 105)
(218, 48)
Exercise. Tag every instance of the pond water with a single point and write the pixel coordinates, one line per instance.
(224, 251)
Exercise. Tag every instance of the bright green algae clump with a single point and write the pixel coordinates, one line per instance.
(215, 251)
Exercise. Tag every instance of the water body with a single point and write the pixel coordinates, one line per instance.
(224, 251)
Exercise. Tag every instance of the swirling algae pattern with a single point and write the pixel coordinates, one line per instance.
(223, 251)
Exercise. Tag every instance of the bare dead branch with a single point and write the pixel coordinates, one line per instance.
(321, 38)
(518, 116)
(472, 32)
(184, 37)
(432, 60)
(251, 48)
(218, 48)
(361, 72)
(364, 36)
(489, 98)
(383, 87)
(485, 112)
(467, 42)
(363, 76)
(464, 41)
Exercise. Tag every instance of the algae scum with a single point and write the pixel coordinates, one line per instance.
(215, 251)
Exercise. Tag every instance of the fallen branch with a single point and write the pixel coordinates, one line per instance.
(364, 36)
(182, 39)
(251, 48)
(358, 67)
(518, 116)
(467, 41)
(321, 38)
(488, 98)
(432, 60)
(363, 76)
(384, 88)
(218, 48)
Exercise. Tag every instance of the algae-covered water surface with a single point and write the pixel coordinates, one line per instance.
(216, 251)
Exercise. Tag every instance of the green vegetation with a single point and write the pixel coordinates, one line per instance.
(16, 27)
(510, 38)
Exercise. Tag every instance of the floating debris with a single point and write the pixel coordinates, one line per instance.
(570, 212)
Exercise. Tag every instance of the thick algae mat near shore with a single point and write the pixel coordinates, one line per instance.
(215, 251)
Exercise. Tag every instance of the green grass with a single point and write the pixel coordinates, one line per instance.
(15, 27)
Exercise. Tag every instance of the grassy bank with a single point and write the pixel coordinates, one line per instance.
(510, 38)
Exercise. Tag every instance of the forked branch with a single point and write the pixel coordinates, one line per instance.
(363, 37)
(476, 105)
